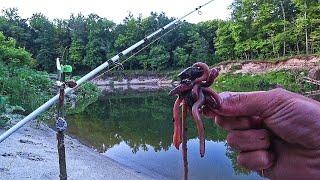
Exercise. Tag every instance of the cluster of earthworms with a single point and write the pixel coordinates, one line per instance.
(194, 93)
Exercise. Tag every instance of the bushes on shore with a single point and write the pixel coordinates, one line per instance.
(23, 89)
(23, 86)
(290, 80)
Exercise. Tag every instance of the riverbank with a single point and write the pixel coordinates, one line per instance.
(152, 80)
(265, 66)
(31, 153)
(235, 76)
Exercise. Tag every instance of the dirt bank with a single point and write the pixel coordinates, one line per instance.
(110, 83)
(31, 153)
(301, 63)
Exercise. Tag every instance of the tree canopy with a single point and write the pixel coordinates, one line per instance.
(256, 30)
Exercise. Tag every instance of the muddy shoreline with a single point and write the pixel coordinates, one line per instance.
(31, 153)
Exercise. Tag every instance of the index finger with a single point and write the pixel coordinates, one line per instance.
(244, 104)
(238, 123)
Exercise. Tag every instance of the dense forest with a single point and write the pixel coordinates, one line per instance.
(256, 30)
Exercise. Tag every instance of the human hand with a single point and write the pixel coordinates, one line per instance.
(275, 131)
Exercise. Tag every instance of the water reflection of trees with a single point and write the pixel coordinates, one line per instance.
(138, 120)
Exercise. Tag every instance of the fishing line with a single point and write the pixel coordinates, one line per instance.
(134, 54)
(145, 47)
(94, 72)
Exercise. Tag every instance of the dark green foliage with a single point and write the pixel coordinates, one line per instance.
(24, 87)
(43, 37)
(225, 42)
(100, 40)
(6, 108)
(290, 80)
(158, 58)
(88, 41)
(86, 95)
(79, 40)
(12, 25)
(11, 54)
(256, 30)
(20, 86)
(269, 29)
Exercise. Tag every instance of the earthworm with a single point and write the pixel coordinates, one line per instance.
(205, 69)
(212, 76)
(197, 119)
(194, 93)
(177, 123)
(181, 89)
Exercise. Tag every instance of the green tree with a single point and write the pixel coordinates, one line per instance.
(100, 40)
(180, 56)
(257, 30)
(208, 31)
(127, 34)
(79, 40)
(44, 41)
(308, 19)
(196, 48)
(12, 25)
(225, 43)
(62, 37)
(158, 58)
(10, 53)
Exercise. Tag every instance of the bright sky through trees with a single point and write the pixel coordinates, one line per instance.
(117, 10)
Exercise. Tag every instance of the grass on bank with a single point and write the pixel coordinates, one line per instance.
(289, 79)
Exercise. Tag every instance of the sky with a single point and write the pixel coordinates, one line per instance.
(117, 10)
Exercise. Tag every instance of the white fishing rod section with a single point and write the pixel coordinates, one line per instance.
(91, 74)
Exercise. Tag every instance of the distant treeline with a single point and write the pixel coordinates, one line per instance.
(262, 29)
(256, 30)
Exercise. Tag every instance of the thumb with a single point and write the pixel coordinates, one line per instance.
(244, 104)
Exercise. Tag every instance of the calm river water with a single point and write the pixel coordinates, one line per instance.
(136, 129)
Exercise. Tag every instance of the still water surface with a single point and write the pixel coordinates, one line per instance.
(136, 129)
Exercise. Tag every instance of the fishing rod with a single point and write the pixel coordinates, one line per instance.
(94, 72)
